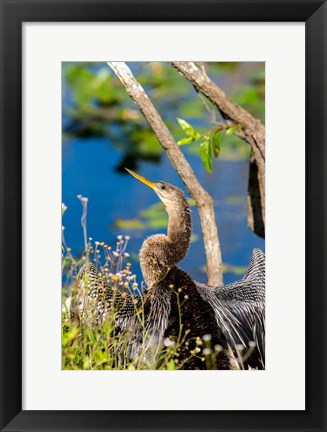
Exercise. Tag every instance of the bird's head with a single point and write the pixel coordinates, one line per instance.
(169, 195)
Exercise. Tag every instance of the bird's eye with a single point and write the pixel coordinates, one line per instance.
(162, 186)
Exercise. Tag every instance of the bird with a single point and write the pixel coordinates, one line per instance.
(177, 308)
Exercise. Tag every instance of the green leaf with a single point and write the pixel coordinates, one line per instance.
(184, 125)
(171, 365)
(206, 154)
(231, 130)
(188, 129)
(215, 141)
(186, 140)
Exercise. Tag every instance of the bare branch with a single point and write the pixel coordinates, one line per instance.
(202, 199)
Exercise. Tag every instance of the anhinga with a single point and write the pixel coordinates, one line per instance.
(176, 307)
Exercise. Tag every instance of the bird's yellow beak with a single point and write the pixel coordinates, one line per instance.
(142, 179)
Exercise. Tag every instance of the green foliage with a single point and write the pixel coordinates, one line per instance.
(206, 153)
(210, 145)
(96, 104)
(251, 96)
(192, 134)
(92, 84)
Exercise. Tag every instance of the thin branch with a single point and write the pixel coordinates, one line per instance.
(202, 199)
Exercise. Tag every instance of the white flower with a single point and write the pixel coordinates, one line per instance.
(218, 348)
(168, 342)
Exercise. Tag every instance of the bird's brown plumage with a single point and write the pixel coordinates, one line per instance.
(178, 309)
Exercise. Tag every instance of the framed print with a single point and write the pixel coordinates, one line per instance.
(95, 335)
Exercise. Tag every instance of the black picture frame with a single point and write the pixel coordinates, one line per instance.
(13, 14)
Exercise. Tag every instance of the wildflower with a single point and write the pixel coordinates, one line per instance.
(207, 337)
(186, 297)
(116, 254)
(168, 342)
(207, 351)
(120, 237)
(102, 243)
(97, 243)
(134, 285)
(218, 348)
(126, 254)
(127, 237)
(252, 344)
(239, 347)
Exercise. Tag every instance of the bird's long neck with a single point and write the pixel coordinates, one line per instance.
(179, 228)
(160, 253)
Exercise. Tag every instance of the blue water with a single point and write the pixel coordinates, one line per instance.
(88, 167)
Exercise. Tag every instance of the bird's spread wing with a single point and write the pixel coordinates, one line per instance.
(142, 317)
(95, 302)
(240, 310)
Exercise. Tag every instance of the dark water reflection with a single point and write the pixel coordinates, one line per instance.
(89, 169)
